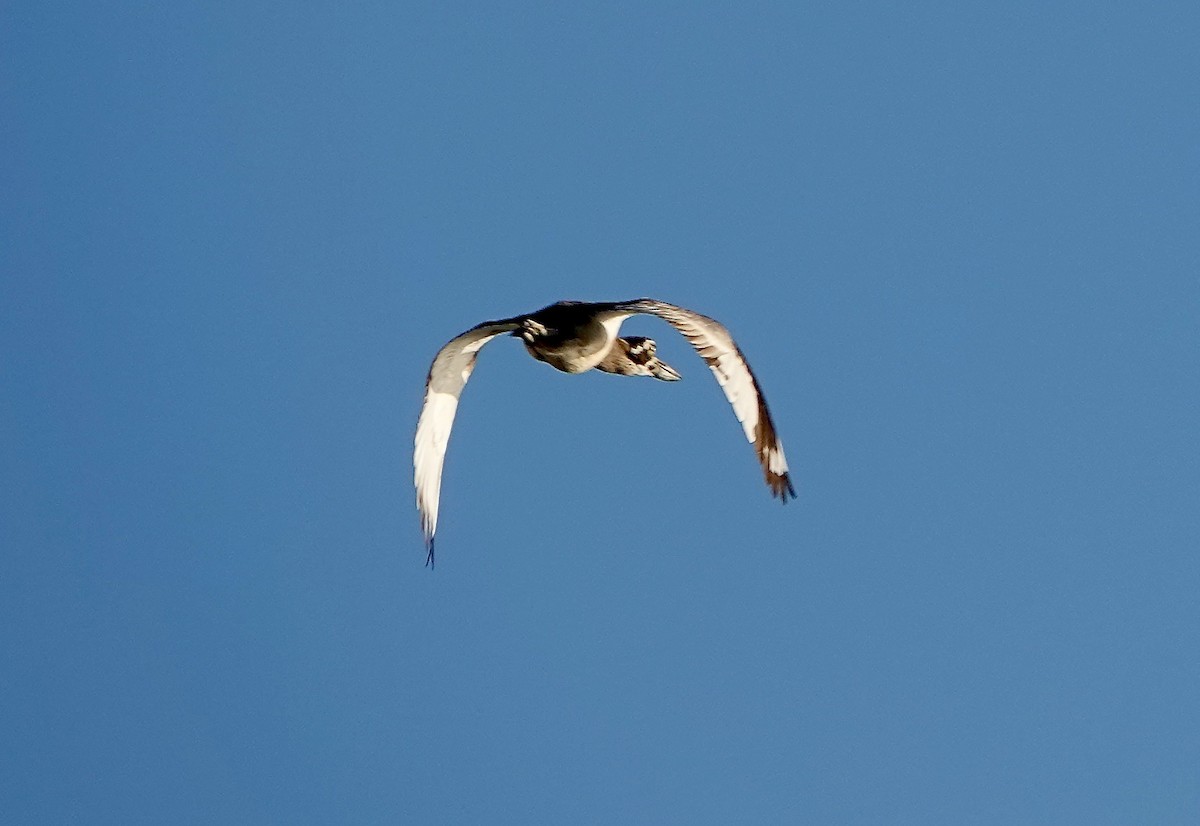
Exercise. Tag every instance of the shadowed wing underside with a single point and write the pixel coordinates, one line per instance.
(717, 347)
(447, 377)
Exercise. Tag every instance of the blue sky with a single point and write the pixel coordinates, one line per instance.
(957, 241)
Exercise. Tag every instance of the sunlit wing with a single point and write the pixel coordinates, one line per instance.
(717, 347)
(447, 377)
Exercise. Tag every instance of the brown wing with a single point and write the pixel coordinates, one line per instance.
(717, 347)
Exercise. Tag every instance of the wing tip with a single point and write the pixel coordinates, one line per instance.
(429, 560)
(781, 486)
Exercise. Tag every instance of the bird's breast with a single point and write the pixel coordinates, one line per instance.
(569, 357)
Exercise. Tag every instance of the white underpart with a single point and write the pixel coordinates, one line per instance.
(734, 379)
(612, 325)
(447, 376)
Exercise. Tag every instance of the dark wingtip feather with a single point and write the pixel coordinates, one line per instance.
(781, 486)
(429, 563)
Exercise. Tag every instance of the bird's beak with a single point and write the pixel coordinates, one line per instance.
(664, 371)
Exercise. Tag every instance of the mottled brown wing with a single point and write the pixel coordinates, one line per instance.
(716, 346)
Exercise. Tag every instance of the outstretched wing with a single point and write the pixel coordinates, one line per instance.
(448, 376)
(717, 347)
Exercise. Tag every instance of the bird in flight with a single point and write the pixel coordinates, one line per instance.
(575, 336)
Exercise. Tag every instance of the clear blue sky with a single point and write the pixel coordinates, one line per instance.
(959, 242)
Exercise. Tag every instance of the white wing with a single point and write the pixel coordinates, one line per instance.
(447, 377)
(717, 347)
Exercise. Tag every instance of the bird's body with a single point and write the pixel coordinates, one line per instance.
(575, 337)
(571, 336)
